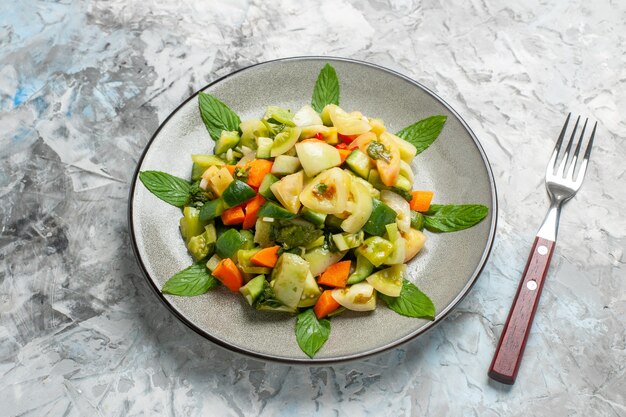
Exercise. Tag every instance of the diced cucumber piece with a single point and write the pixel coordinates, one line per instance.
(388, 281)
(264, 147)
(212, 209)
(266, 183)
(275, 114)
(285, 164)
(376, 250)
(313, 216)
(392, 231)
(403, 183)
(243, 260)
(248, 238)
(203, 162)
(262, 233)
(285, 140)
(381, 216)
(274, 211)
(359, 163)
(363, 269)
(345, 241)
(237, 192)
(213, 262)
(191, 224)
(253, 289)
(333, 222)
(374, 178)
(229, 243)
(417, 220)
(227, 140)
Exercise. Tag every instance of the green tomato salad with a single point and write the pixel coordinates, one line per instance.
(308, 213)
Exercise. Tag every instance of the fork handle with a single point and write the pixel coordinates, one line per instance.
(508, 356)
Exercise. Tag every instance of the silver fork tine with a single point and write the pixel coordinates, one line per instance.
(557, 147)
(583, 166)
(561, 169)
(570, 173)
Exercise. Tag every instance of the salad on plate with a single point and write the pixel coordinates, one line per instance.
(308, 213)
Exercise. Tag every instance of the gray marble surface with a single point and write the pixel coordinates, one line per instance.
(83, 85)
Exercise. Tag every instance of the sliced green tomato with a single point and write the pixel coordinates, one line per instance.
(288, 190)
(381, 216)
(376, 250)
(400, 206)
(227, 140)
(311, 292)
(203, 162)
(407, 150)
(370, 188)
(237, 192)
(389, 170)
(307, 116)
(262, 230)
(328, 192)
(285, 164)
(414, 241)
(347, 124)
(388, 281)
(310, 131)
(285, 140)
(274, 211)
(357, 297)
(212, 209)
(253, 289)
(266, 183)
(288, 279)
(250, 130)
(359, 163)
(398, 253)
(320, 258)
(279, 115)
(316, 156)
(264, 147)
(361, 208)
(363, 269)
(190, 223)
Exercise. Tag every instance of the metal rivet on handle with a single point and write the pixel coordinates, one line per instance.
(542, 250)
(531, 285)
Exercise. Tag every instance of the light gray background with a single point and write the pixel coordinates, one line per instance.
(83, 85)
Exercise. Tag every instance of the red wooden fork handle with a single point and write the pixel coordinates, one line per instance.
(508, 356)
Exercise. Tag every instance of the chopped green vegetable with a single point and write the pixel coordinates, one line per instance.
(295, 232)
(274, 211)
(227, 140)
(253, 289)
(264, 188)
(212, 209)
(229, 243)
(376, 250)
(237, 192)
(363, 269)
(417, 220)
(381, 216)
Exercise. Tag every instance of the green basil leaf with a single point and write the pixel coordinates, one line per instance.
(171, 189)
(411, 302)
(450, 218)
(326, 89)
(217, 116)
(194, 280)
(311, 333)
(423, 133)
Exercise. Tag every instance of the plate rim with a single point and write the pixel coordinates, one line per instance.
(343, 358)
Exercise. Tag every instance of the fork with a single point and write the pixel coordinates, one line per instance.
(562, 183)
